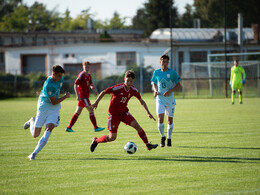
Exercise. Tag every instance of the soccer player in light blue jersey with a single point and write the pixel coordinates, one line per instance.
(48, 109)
(164, 82)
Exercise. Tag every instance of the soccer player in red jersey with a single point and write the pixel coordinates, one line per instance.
(118, 111)
(81, 87)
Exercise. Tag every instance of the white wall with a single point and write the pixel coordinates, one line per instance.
(104, 53)
(147, 54)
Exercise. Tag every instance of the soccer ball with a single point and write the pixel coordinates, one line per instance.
(130, 147)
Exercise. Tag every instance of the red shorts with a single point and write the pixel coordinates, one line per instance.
(114, 121)
(84, 103)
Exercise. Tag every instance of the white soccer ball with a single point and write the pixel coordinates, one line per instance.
(130, 147)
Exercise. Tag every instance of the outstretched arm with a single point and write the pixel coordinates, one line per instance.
(146, 109)
(101, 95)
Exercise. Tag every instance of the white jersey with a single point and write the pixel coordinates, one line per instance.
(165, 81)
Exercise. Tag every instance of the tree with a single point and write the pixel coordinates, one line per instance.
(80, 22)
(116, 22)
(8, 6)
(155, 14)
(211, 12)
(17, 21)
(66, 21)
(186, 20)
(39, 17)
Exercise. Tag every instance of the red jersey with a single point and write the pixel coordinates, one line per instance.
(120, 98)
(83, 82)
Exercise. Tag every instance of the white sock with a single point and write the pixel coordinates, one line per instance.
(161, 129)
(169, 131)
(32, 122)
(42, 142)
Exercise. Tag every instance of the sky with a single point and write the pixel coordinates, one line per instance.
(103, 9)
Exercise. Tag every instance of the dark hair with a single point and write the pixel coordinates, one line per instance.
(130, 74)
(164, 56)
(57, 69)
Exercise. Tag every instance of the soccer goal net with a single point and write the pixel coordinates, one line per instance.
(211, 78)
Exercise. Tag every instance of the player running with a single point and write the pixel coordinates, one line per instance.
(81, 87)
(48, 109)
(237, 80)
(118, 111)
(164, 82)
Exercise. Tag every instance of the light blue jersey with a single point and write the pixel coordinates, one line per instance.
(165, 81)
(50, 88)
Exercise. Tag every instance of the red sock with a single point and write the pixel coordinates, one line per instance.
(102, 139)
(73, 120)
(143, 136)
(93, 120)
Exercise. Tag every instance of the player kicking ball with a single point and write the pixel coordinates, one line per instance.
(118, 111)
(48, 109)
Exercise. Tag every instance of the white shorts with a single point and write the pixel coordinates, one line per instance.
(162, 109)
(47, 117)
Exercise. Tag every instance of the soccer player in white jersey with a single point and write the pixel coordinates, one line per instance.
(164, 82)
(48, 109)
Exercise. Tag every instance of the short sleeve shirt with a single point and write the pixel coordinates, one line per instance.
(50, 89)
(83, 83)
(165, 81)
(120, 98)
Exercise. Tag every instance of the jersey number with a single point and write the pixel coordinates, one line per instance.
(123, 100)
(163, 85)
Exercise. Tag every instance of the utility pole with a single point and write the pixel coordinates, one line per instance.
(171, 33)
(225, 36)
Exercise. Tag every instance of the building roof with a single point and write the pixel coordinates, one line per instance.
(199, 34)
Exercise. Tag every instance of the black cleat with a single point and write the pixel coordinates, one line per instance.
(163, 142)
(151, 146)
(169, 143)
(93, 144)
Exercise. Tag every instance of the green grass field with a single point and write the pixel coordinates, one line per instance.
(216, 150)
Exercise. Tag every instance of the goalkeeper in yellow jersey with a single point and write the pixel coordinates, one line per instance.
(237, 80)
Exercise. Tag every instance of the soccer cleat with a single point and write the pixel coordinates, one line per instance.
(69, 130)
(163, 142)
(151, 146)
(232, 103)
(93, 144)
(99, 129)
(31, 156)
(241, 102)
(169, 143)
(27, 124)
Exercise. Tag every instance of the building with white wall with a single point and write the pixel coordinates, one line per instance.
(108, 58)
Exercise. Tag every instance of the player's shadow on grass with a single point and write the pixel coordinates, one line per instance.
(217, 147)
(213, 159)
(206, 132)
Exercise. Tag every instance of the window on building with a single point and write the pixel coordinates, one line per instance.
(125, 58)
(2, 59)
(181, 60)
(198, 56)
